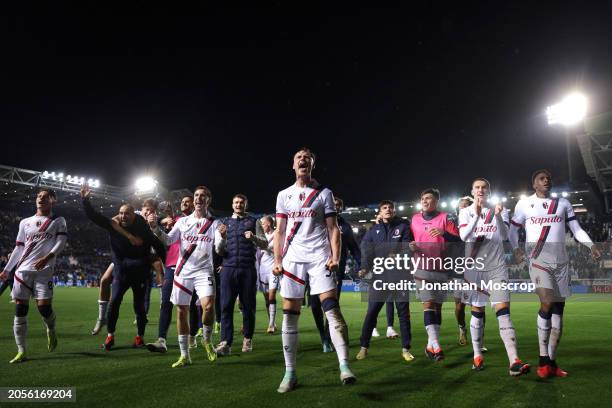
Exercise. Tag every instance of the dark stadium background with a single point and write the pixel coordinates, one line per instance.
(393, 100)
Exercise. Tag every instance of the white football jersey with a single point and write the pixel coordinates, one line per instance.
(544, 220)
(485, 241)
(197, 237)
(305, 209)
(38, 234)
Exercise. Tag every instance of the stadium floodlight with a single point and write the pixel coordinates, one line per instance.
(355, 230)
(444, 205)
(419, 206)
(570, 111)
(495, 200)
(401, 208)
(504, 199)
(145, 184)
(554, 195)
(45, 174)
(564, 194)
(454, 202)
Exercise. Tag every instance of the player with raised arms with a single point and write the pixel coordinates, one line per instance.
(307, 247)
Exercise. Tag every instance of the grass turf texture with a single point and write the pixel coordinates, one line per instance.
(136, 377)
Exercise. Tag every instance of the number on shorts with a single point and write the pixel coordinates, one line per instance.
(210, 281)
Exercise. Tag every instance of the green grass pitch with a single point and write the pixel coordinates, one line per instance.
(134, 377)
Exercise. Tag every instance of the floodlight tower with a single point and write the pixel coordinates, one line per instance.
(569, 112)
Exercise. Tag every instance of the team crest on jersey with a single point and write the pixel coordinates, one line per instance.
(302, 196)
(545, 205)
(38, 223)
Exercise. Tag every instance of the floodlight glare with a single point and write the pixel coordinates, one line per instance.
(444, 204)
(454, 203)
(564, 194)
(145, 184)
(554, 195)
(570, 111)
(401, 208)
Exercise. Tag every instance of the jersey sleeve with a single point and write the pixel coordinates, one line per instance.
(518, 218)
(281, 210)
(330, 205)
(506, 216)
(62, 229)
(570, 215)
(21, 235)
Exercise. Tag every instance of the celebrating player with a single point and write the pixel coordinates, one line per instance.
(198, 233)
(40, 239)
(310, 250)
(544, 219)
(431, 229)
(172, 257)
(132, 263)
(484, 230)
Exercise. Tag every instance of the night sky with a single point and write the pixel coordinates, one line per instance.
(391, 100)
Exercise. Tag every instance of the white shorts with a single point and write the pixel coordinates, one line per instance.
(480, 297)
(430, 295)
(296, 274)
(33, 284)
(555, 277)
(183, 288)
(462, 295)
(274, 281)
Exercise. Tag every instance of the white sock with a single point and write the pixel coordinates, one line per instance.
(102, 308)
(476, 330)
(20, 329)
(338, 331)
(272, 312)
(508, 336)
(290, 339)
(543, 334)
(207, 333)
(183, 340)
(555, 335)
(432, 335)
(50, 321)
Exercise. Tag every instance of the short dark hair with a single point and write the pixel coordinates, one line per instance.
(206, 190)
(433, 191)
(186, 196)
(150, 202)
(306, 149)
(240, 195)
(535, 174)
(482, 179)
(386, 202)
(49, 191)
